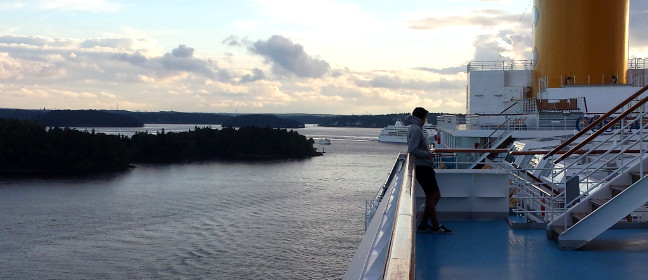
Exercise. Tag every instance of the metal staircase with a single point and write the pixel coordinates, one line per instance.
(495, 140)
(603, 189)
(598, 212)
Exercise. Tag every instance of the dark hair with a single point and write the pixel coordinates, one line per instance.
(420, 112)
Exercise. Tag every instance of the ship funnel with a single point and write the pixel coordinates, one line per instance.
(580, 42)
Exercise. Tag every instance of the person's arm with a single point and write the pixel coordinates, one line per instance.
(413, 144)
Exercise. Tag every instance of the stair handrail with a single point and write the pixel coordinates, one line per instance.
(619, 170)
(597, 122)
(611, 150)
(534, 192)
(474, 156)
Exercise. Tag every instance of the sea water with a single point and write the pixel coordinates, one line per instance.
(283, 219)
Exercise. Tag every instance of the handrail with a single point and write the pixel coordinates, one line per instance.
(400, 259)
(613, 150)
(537, 199)
(516, 153)
(607, 125)
(509, 107)
(588, 170)
(475, 156)
(597, 122)
(372, 205)
(619, 170)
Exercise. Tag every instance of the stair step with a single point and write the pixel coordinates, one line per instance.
(596, 203)
(579, 216)
(616, 190)
(636, 176)
(554, 232)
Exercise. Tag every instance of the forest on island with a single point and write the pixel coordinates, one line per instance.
(122, 118)
(30, 148)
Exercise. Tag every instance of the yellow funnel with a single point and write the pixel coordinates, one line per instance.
(580, 42)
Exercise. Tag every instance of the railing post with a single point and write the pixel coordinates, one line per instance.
(641, 139)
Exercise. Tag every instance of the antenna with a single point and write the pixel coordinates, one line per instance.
(515, 29)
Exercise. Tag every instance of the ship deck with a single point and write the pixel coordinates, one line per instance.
(494, 250)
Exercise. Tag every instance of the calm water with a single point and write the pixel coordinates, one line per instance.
(296, 219)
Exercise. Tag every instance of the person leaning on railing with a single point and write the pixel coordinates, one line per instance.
(417, 145)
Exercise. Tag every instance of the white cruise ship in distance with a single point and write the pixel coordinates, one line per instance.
(397, 133)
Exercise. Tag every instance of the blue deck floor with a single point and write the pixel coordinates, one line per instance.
(493, 250)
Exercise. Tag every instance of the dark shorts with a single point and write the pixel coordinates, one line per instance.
(427, 179)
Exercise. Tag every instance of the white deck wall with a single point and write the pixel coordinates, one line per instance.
(470, 194)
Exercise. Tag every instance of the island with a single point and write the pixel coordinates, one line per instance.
(28, 147)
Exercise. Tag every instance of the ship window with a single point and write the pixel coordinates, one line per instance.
(536, 16)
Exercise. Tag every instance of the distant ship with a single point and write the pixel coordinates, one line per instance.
(324, 141)
(397, 133)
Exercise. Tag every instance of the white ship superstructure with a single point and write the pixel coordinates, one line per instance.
(499, 109)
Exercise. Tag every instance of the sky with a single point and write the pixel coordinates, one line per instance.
(260, 56)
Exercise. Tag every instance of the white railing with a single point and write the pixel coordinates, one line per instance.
(633, 63)
(599, 170)
(516, 122)
(500, 65)
(542, 198)
(637, 63)
(386, 250)
(610, 151)
(372, 205)
(536, 199)
(401, 254)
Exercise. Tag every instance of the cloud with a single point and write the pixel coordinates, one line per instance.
(638, 23)
(496, 34)
(99, 59)
(112, 43)
(257, 74)
(235, 41)
(135, 59)
(181, 59)
(38, 42)
(287, 57)
(183, 51)
(395, 82)
(97, 73)
(9, 67)
(487, 48)
(232, 41)
(80, 5)
(482, 18)
(445, 71)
